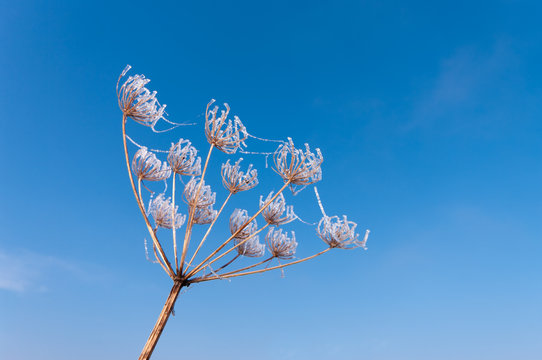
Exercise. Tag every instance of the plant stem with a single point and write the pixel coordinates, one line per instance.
(200, 279)
(191, 214)
(161, 322)
(155, 241)
(201, 264)
(173, 222)
(209, 229)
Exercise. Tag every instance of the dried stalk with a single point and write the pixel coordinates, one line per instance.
(169, 269)
(201, 279)
(200, 265)
(237, 245)
(173, 228)
(161, 322)
(209, 229)
(192, 211)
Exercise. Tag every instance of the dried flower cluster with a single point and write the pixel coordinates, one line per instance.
(183, 159)
(137, 102)
(235, 180)
(223, 133)
(296, 167)
(147, 167)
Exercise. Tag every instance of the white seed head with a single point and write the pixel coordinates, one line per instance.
(137, 102)
(339, 233)
(273, 213)
(298, 166)
(238, 219)
(205, 197)
(235, 180)
(147, 167)
(183, 158)
(161, 210)
(204, 215)
(225, 134)
(251, 247)
(280, 245)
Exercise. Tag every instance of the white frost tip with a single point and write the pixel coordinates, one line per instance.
(364, 242)
(126, 69)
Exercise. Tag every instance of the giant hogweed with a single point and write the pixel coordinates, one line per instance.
(295, 166)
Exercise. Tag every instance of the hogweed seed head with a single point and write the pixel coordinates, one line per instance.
(339, 233)
(161, 210)
(137, 102)
(251, 247)
(298, 166)
(204, 215)
(205, 197)
(225, 134)
(147, 167)
(183, 158)
(237, 220)
(235, 180)
(273, 213)
(280, 245)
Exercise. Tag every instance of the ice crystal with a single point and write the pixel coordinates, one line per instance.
(339, 233)
(183, 158)
(273, 214)
(251, 247)
(147, 167)
(205, 197)
(204, 215)
(137, 102)
(280, 245)
(235, 180)
(225, 134)
(161, 210)
(296, 166)
(237, 220)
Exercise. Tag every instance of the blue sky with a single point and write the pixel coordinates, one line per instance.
(428, 116)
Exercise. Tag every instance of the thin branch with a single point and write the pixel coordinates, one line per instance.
(250, 266)
(169, 269)
(196, 280)
(228, 263)
(174, 229)
(238, 230)
(191, 213)
(238, 244)
(209, 229)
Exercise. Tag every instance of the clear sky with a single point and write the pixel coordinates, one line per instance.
(428, 115)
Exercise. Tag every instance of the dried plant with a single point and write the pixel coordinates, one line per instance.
(296, 167)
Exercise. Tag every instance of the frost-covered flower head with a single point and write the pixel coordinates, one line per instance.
(225, 134)
(205, 197)
(137, 102)
(237, 220)
(204, 215)
(339, 233)
(147, 167)
(273, 213)
(183, 158)
(161, 210)
(280, 245)
(235, 180)
(251, 247)
(298, 166)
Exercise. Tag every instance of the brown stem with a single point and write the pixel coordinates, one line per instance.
(155, 241)
(161, 322)
(237, 245)
(228, 263)
(201, 279)
(201, 264)
(209, 229)
(192, 212)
